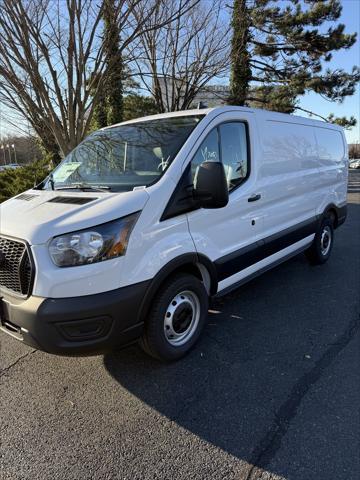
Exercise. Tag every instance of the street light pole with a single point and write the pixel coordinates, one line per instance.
(3, 149)
(8, 147)
(13, 146)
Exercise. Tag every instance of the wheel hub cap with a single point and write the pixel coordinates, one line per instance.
(181, 318)
(325, 241)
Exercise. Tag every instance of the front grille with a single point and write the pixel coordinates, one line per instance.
(15, 266)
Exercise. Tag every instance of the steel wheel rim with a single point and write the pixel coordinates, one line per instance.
(182, 318)
(325, 241)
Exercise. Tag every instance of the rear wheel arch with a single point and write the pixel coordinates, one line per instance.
(331, 211)
(337, 214)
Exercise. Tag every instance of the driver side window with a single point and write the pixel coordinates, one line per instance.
(207, 152)
(226, 143)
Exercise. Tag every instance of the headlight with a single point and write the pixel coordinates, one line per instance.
(96, 244)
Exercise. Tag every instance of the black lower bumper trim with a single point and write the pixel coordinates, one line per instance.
(78, 325)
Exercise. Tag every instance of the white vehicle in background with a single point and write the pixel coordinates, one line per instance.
(9, 166)
(355, 163)
(144, 221)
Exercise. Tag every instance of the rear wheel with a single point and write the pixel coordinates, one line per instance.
(176, 318)
(320, 250)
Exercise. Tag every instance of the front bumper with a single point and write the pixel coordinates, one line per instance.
(75, 326)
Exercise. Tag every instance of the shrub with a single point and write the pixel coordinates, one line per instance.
(13, 182)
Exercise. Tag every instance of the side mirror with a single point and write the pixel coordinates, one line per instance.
(210, 188)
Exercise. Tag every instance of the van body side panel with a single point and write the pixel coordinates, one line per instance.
(288, 175)
(250, 255)
(333, 168)
(266, 262)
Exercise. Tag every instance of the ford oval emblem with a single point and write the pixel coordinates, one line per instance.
(2, 259)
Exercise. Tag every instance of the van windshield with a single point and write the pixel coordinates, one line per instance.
(124, 157)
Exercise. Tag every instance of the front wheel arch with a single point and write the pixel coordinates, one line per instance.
(192, 263)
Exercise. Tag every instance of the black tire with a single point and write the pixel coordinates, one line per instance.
(320, 251)
(154, 340)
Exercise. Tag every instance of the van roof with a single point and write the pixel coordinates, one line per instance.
(265, 114)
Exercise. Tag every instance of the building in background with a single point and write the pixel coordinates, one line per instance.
(213, 95)
(210, 95)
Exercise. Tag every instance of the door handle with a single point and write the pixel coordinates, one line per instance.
(254, 197)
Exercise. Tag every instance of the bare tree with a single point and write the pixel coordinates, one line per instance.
(49, 51)
(354, 150)
(175, 62)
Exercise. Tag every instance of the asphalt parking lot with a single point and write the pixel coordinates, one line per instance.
(271, 391)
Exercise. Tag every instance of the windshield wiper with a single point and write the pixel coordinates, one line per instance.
(84, 187)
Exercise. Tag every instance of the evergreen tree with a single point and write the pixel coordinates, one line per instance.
(15, 181)
(109, 84)
(279, 49)
(136, 106)
(99, 119)
(240, 56)
(114, 84)
(277, 98)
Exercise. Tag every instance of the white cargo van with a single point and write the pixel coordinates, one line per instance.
(144, 221)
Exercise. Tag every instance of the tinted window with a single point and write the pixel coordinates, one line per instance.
(207, 152)
(228, 144)
(234, 152)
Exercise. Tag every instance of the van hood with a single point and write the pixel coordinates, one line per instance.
(38, 215)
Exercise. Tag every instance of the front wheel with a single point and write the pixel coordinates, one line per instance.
(176, 318)
(320, 250)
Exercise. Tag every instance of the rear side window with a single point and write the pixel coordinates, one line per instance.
(226, 143)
